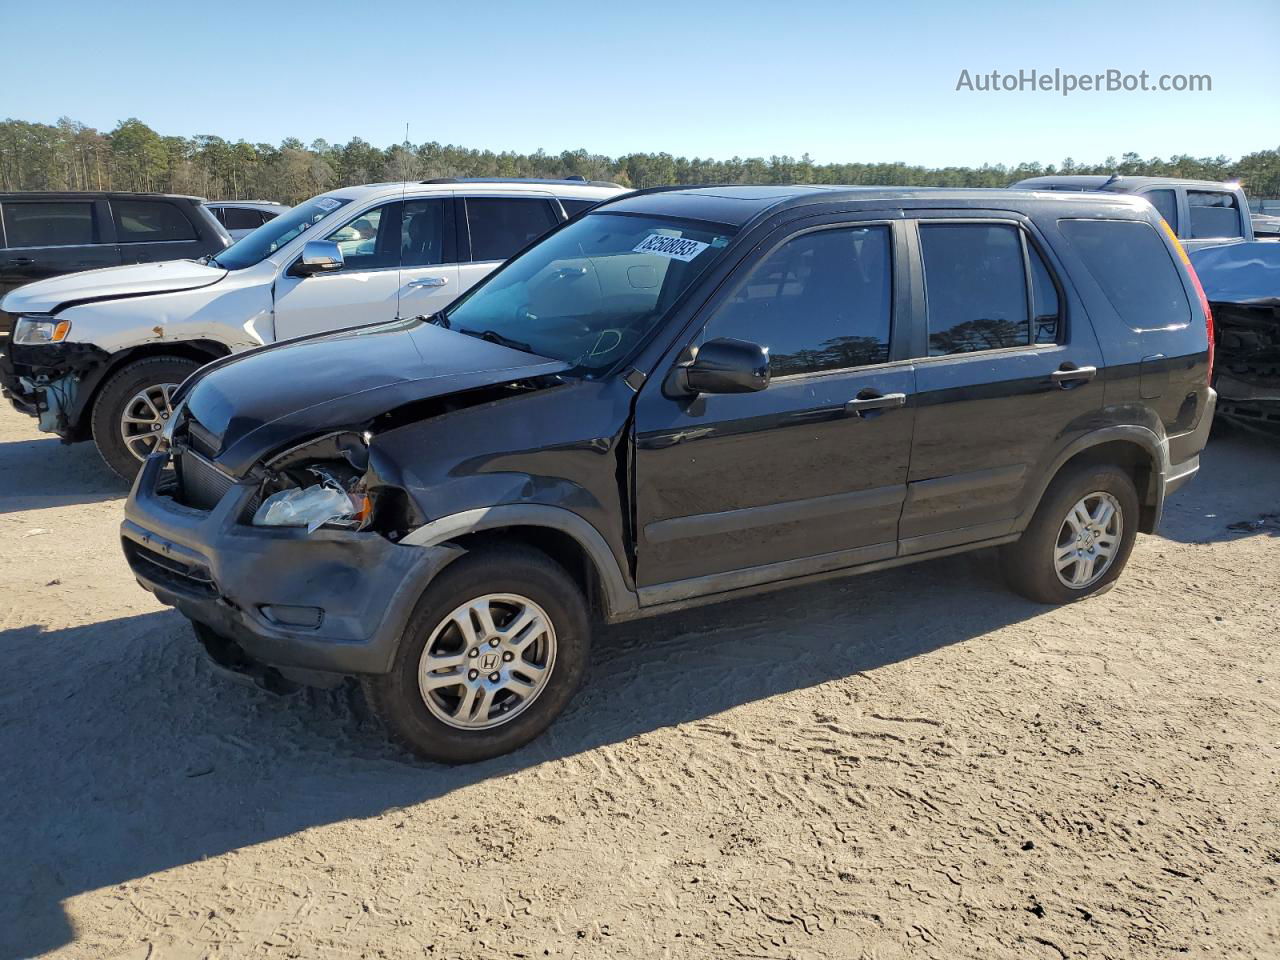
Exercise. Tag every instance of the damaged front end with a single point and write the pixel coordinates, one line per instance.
(51, 381)
(1242, 284)
(1248, 364)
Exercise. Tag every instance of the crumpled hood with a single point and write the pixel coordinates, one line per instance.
(260, 402)
(1247, 273)
(110, 283)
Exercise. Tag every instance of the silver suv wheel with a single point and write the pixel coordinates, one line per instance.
(1088, 540)
(145, 416)
(487, 661)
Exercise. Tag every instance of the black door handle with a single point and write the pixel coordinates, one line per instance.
(1069, 375)
(20, 261)
(869, 400)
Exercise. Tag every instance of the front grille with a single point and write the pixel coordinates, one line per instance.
(200, 483)
(178, 576)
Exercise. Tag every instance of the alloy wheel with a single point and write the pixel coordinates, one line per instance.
(1088, 541)
(487, 661)
(145, 416)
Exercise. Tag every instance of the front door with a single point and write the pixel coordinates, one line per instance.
(808, 474)
(365, 290)
(1002, 380)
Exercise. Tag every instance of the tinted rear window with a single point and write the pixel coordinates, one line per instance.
(1134, 268)
(49, 224)
(1213, 214)
(502, 225)
(975, 283)
(150, 221)
(239, 218)
(574, 207)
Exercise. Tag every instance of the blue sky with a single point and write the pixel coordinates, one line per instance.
(842, 81)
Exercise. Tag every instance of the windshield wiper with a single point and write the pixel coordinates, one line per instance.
(494, 337)
(440, 319)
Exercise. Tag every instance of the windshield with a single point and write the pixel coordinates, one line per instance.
(592, 291)
(274, 234)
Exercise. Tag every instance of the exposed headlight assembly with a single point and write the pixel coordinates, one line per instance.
(313, 507)
(323, 485)
(32, 332)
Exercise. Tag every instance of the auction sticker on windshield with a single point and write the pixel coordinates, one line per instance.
(677, 248)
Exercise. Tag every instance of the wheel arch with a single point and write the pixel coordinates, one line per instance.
(559, 533)
(199, 351)
(1137, 450)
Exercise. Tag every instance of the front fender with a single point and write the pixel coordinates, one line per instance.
(621, 601)
(236, 316)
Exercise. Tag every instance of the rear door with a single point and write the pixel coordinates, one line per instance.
(810, 473)
(429, 271)
(47, 238)
(492, 228)
(1004, 374)
(240, 221)
(154, 229)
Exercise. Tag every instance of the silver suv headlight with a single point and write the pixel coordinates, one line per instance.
(31, 331)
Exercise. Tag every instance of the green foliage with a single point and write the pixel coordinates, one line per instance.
(70, 156)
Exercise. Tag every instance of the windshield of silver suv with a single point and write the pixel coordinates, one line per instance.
(592, 291)
(274, 234)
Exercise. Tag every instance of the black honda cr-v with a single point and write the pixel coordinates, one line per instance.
(681, 396)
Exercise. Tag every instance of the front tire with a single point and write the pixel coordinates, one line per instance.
(132, 408)
(493, 652)
(1079, 539)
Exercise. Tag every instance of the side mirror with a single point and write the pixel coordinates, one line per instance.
(319, 256)
(726, 366)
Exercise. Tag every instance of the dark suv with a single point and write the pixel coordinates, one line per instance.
(45, 235)
(679, 397)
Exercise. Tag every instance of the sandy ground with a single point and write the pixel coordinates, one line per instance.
(909, 764)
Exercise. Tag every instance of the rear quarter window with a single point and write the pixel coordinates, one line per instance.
(1134, 268)
(150, 221)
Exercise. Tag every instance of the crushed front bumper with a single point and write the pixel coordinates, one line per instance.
(52, 382)
(334, 601)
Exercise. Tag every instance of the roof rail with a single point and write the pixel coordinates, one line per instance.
(573, 179)
(665, 188)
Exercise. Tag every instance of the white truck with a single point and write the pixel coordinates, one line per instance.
(96, 355)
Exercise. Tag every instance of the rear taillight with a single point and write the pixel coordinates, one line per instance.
(1195, 282)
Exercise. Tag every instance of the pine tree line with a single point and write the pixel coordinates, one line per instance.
(71, 156)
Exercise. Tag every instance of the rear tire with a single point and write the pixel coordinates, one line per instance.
(1068, 551)
(136, 393)
(527, 623)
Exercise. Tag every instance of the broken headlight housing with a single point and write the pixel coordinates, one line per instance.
(319, 483)
(314, 507)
